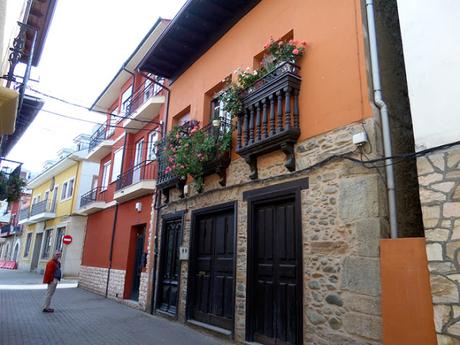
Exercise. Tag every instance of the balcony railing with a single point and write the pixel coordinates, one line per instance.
(140, 97)
(98, 136)
(44, 206)
(24, 213)
(270, 118)
(167, 180)
(142, 171)
(220, 161)
(92, 196)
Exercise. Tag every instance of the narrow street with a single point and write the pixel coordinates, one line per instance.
(80, 317)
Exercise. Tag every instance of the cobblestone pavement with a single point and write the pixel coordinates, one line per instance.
(81, 318)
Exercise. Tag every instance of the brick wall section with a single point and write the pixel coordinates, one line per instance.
(439, 180)
(343, 218)
(95, 280)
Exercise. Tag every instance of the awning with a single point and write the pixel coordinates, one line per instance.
(197, 26)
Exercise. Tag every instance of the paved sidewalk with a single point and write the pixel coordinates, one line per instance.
(15, 277)
(81, 318)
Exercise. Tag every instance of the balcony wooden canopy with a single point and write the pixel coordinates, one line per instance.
(197, 26)
(40, 15)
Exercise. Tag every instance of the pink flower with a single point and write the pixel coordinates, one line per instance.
(291, 41)
(167, 170)
(266, 45)
(280, 43)
(194, 129)
(295, 51)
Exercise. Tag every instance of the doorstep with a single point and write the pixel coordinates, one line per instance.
(216, 329)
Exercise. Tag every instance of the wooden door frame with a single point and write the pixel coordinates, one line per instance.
(289, 190)
(233, 206)
(164, 219)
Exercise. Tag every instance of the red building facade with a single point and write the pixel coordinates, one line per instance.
(115, 259)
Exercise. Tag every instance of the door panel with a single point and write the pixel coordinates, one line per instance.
(169, 267)
(212, 301)
(276, 286)
(137, 269)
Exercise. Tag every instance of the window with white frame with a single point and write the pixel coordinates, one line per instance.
(153, 140)
(67, 189)
(64, 190)
(117, 159)
(70, 188)
(105, 175)
(124, 97)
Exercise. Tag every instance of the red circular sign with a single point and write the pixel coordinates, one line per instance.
(67, 239)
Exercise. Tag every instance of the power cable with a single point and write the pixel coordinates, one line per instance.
(87, 108)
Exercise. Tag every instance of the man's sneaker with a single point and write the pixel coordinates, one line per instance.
(48, 310)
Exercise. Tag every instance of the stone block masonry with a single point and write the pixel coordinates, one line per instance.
(94, 279)
(439, 185)
(343, 215)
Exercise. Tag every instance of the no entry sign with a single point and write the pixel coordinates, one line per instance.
(67, 239)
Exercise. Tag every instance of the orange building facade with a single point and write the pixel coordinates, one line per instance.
(280, 244)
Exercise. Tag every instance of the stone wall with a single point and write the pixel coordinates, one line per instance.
(439, 179)
(95, 279)
(343, 217)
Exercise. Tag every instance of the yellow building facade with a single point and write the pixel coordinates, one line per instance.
(56, 194)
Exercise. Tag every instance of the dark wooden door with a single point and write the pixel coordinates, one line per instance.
(137, 269)
(276, 279)
(213, 275)
(169, 267)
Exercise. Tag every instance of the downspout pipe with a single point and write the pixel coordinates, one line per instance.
(132, 76)
(380, 103)
(114, 226)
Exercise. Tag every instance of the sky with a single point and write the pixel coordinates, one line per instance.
(87, 43)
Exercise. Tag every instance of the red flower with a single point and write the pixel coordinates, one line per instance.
(295, 51)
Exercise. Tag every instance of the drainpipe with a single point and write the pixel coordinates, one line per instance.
(165, 125)
(133, 77)
(111, 248)
(378, 99)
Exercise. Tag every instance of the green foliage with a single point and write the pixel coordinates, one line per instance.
(189, 149)
(277, 53)
(11, 186)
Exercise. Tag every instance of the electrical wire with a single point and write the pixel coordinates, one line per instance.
(87, 108)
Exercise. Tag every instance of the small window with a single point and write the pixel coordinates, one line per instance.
(64, 191)
(105, 176)
(125, 101)
(70, 188)
(217, 112)
(117, 159)
(59, 236)
(153, 139)
(28, 242)
(46, 244)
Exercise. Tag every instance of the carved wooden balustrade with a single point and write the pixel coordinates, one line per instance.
(270, 118)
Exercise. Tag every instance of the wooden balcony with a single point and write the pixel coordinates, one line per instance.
(270, 118)
(167, 180)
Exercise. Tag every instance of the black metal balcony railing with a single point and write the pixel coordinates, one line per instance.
(140, 97)
(140, 172)
(91, 196)
(24, 213)
(41, 207)
(98, 136)
(270, 118)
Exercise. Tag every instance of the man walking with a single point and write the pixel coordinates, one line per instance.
(52, 277)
